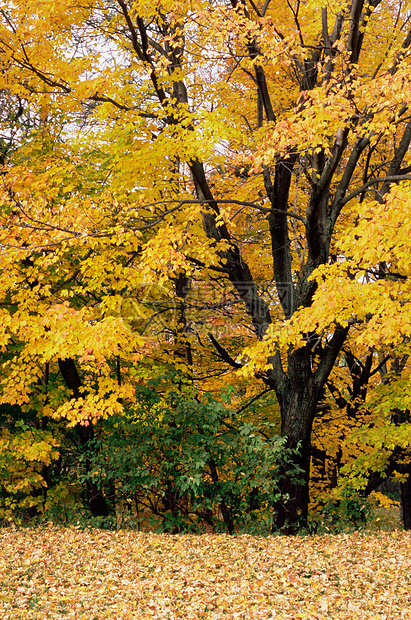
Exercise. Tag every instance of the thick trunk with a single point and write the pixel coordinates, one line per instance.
(298, 396)
(292, 510)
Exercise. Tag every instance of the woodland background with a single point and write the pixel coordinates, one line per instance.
(205, 263)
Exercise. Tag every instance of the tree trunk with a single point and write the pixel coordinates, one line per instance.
(292, 511)
(298, 394)
(95, 497)
(405, 495)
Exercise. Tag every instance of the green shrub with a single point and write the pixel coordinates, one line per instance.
(191, 465)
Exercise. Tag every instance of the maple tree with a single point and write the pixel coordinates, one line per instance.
(222, 146)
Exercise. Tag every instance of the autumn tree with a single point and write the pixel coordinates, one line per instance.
(236, 140)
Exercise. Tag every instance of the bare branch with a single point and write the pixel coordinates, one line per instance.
(121, 106)
(223, 353)
(255, 7)
(250, 402)
(397, 178)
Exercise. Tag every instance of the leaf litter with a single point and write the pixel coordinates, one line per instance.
(94, 575)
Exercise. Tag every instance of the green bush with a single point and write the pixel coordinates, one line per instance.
(191, 465)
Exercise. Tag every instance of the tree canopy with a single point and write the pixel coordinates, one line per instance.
(218, 192)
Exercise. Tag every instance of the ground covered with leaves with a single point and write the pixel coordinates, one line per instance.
(93, 574)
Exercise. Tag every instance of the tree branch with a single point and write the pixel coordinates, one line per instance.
(121, 106)
(330, 355)
(223, 353)
(388, 179)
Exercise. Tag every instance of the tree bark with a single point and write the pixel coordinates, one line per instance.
(292, 510)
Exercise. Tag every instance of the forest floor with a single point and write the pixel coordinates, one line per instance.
(48, 573)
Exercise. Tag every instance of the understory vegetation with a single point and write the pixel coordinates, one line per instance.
(172, 465)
